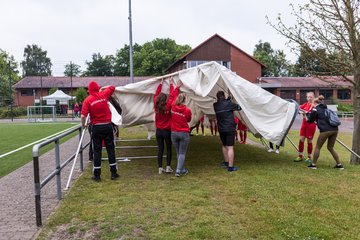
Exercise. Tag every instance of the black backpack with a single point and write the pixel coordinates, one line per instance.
(332, 118)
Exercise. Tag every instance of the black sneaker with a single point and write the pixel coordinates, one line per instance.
(312, 166)
(339, 166)
(96, 178)
(232, 169)
(114, 176)
(224, 164)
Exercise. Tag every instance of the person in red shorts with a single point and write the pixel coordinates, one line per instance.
(242, 131)
(307, 130)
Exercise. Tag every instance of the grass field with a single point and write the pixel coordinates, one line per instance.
(14, 136)
(270, 197)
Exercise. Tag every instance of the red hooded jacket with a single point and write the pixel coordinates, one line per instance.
(162, 120)
(180, 115)
(97, 104)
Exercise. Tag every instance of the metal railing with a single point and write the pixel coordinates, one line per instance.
(56, 172)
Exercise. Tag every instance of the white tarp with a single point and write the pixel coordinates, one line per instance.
(265, 114)
(59, 95)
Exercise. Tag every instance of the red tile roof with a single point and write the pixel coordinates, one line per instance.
(77, 82)
(307, 82)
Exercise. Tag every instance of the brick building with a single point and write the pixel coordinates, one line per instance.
(218, 49)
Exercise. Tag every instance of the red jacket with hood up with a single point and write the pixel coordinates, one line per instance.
(97, 104)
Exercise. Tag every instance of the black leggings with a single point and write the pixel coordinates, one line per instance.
(162, 137)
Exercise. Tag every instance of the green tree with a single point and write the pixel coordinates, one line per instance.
(52, 90)
(122, 60)
(8, 72)
(72, 69)
(156, 56)
(275, 60)
(36, 62)
(334, 26)
(100, 65)
(80, 94)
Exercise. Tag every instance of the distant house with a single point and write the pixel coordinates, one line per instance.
(331, 87)
(218, 49)
(28, 89)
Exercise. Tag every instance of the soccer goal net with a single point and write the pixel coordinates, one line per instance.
(41, 113)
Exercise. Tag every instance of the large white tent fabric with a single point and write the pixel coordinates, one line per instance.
(57, 95)
(265, 114)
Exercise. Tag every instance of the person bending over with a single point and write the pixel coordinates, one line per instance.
(327, 132)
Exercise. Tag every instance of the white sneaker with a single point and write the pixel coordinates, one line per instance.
(277, 151)
(161, 170)
(270, 150)
(169, 169)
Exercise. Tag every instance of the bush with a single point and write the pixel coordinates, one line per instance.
(16, 112)
(345, 107)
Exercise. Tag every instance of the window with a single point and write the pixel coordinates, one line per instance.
(288, 94)
(190, 64)
(328, 94)
(27, 92)
(344, 94)
(303, 95)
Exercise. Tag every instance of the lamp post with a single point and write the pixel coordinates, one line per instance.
(131, 45)
(11, 106)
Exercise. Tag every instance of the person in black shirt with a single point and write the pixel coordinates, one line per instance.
(224, 110)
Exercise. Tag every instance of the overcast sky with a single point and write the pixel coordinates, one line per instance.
(72, 30)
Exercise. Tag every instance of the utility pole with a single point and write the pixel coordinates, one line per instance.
(11, 99)
(131, 46)
(41, 99)
(71, 88)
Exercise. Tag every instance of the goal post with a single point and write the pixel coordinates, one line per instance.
(41, 113)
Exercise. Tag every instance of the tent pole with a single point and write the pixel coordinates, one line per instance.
(292, 143)
(357, 155)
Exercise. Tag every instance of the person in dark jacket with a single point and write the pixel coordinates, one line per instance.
(327, 132)
(224, 110)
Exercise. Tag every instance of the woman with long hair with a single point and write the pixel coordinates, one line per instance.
(327, 132)
(180, 137)
(162, 107)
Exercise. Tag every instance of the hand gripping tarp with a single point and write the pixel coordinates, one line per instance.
(265, 114)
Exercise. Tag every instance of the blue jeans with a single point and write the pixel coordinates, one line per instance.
(181, 141)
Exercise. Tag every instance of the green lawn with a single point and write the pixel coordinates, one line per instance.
(270, 197)
(14, 136)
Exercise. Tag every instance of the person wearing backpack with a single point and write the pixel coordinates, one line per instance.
(319, 114)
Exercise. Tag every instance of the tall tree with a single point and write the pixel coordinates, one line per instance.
(36, 62)
(100, 66)
(332, 25)
(8, 74)
(275, 60)
(72, 69)
(156, 56)
(122, 60)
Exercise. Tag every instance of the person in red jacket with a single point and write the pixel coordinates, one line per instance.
(96, 105)
(162, 107)
(180, 137)
(307, 129)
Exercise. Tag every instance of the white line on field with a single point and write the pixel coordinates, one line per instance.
(33, 143)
